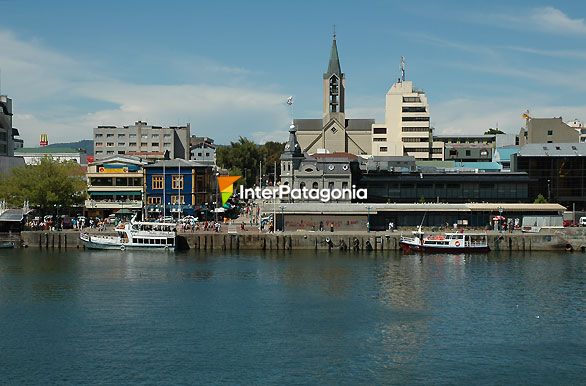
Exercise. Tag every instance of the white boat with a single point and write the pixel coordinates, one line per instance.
(446, 243)
(135, 235)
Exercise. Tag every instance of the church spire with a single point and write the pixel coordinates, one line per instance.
(334, 63)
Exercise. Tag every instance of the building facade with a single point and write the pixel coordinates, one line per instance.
(559, 170)
(115, 185)
(334, 132)
(143, 140)
(548, 130)
(406, 129)
(33, 155)
(6, 140)
(178, 188)
(203, 150)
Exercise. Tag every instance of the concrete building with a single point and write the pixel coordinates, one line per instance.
(142, 140)
(6, 139)
(334, 132)
(115, 185)
(33, 155)
(406, 129)
(203, 150)
(548, 130)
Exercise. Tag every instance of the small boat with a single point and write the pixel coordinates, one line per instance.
(446, 243)
(135, 235)
(7, 244)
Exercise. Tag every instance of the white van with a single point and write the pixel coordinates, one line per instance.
(582, 221)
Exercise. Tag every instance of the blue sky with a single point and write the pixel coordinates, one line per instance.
(227, 67)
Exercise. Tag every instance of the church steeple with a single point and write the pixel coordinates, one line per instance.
(334, 83)
(334, 63)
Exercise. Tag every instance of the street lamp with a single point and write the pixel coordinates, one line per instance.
(368, 218)
(216, 206)
(282, 217)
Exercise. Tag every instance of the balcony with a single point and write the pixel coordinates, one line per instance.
(113, 204)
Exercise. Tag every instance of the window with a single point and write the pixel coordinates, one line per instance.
(110, 144)
(207, 154)
(177, 182)
(411, 99)
(177, 199)
(121, 152)
(315, 185)
(131, 135)
(143, 144)
(467, 153)
(413, 109)
(99, 135)
(155, 136)
(415, 119)
(121, 135)
(154, 144)
(111, 135)
(144, 136)
(549, 141)
(549, 132)
(121, 144)
(334, 130)
(157, 182)
(302, 185)
(379, 130)
(453, 152)
(166, 135)
(99, 152)
(153, 200)
(99, 144)
(383, 149)
(416, 129)
(379, 139)
(344, 185)
(167, 144)
(132, 144)
(110, 152)
(199, 154)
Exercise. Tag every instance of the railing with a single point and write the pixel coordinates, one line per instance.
(113, 204)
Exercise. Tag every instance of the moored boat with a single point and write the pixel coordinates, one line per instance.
(446, 243)
(7, 244)
(135, 235)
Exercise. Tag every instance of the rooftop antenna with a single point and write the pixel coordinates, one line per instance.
(334, 32)
(290, 104)
(402, 68)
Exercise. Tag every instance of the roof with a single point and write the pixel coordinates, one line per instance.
(11, 215)
(317, 124)
(334, 62)
(365, 208)
(478, 165)
(47, 150)
(120, 158)
(336, 155)
(553, 150)
(504, 153)
(175, 163)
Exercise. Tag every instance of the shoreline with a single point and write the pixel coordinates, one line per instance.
(567, 239)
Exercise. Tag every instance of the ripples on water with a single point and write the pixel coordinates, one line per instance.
(127, 317)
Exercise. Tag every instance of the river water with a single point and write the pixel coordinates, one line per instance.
(81, 317)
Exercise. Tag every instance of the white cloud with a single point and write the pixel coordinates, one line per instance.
(553, 20)
(59, 95)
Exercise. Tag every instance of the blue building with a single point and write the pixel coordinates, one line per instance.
(178, 188)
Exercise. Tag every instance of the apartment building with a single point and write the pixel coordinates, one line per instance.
(142, 140)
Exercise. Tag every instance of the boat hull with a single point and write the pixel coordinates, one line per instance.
(410, 248)
(97, 243)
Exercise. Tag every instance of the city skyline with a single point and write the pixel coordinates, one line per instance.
(227, 69)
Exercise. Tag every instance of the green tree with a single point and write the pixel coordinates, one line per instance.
(492, 131)
(245, 156)
(540, 199)
(46, 185)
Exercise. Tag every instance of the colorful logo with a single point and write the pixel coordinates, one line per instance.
(226, 185)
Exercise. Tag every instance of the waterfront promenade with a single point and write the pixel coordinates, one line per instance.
(551, 240)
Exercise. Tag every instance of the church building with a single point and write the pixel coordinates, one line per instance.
(334, 132)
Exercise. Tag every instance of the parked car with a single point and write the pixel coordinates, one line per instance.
(582, 221)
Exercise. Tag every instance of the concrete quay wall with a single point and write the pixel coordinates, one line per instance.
(570, 239)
